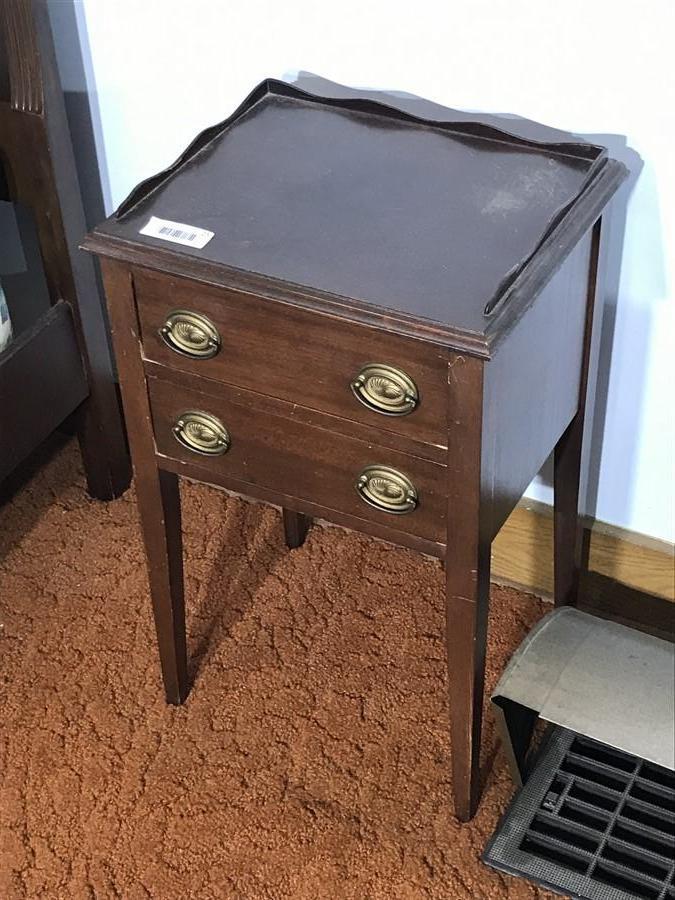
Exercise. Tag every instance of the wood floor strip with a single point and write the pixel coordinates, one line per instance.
(522, 554)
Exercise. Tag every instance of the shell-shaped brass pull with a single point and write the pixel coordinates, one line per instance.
(387, 489)
(385, 389)
(190, 334)
(202, 433)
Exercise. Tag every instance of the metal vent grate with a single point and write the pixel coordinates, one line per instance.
(592, 822)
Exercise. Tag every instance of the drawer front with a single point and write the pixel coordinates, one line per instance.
(236, 440)
(319, 362)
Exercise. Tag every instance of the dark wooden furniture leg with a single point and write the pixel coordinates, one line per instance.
(467, 601)
(159, 507)
(157, 490)
(467, 574)
(567, 522)
(101, 435)
(296, 526)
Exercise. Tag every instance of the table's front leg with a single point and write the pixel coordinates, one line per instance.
(157, 491)
(159, 507)
(467, 573)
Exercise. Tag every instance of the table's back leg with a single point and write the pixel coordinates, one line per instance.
(567, 459)
(296, 526)
(566, 520)
(157, 491)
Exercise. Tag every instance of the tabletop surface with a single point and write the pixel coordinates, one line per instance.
(366, 202)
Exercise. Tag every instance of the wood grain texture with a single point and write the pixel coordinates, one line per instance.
(307, 507)
(293, 355)
(495, 336)
(467, 576)
(317, 418)
(371, 250)
(522, 554)
(23, 59)
(555, 250)
(532, 385)
(157, 491)
(298, 460)
(567, 456)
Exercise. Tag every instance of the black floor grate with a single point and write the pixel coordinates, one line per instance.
(591, 822)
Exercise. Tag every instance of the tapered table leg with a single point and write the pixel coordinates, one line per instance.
(296, 526)
(157, 490)
(467, 595)
(159, 507)
(467, 575)
(567, 528)
(567, 524)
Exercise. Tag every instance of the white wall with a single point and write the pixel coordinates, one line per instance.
(158, 71)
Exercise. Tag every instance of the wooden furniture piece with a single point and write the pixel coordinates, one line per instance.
(59, 362)
(389, 328)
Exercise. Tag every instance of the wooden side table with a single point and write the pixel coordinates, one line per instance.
(361, 315)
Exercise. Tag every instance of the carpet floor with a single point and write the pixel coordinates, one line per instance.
(312, 758)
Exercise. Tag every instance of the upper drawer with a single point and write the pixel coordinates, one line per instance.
(314, 360)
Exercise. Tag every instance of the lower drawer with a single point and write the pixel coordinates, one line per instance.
(233, 439)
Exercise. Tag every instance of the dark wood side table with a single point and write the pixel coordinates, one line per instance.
(389, 328)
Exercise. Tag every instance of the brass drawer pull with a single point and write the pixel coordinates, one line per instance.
(190, 334)
(202, 433)
(387, 489)
(385, 389)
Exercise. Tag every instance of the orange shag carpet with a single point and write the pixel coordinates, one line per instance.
(312, 757)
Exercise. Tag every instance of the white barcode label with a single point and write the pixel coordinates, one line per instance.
(177, 232)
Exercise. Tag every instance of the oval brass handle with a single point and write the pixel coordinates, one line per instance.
(387, 489)
(190, 334)
(202, 433)
(385, 389)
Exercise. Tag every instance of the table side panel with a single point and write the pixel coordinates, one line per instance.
(531, 386)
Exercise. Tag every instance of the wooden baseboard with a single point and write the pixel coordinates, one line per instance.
(522, 554)
(609, 599)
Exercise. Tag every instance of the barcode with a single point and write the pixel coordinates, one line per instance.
(177, 233)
